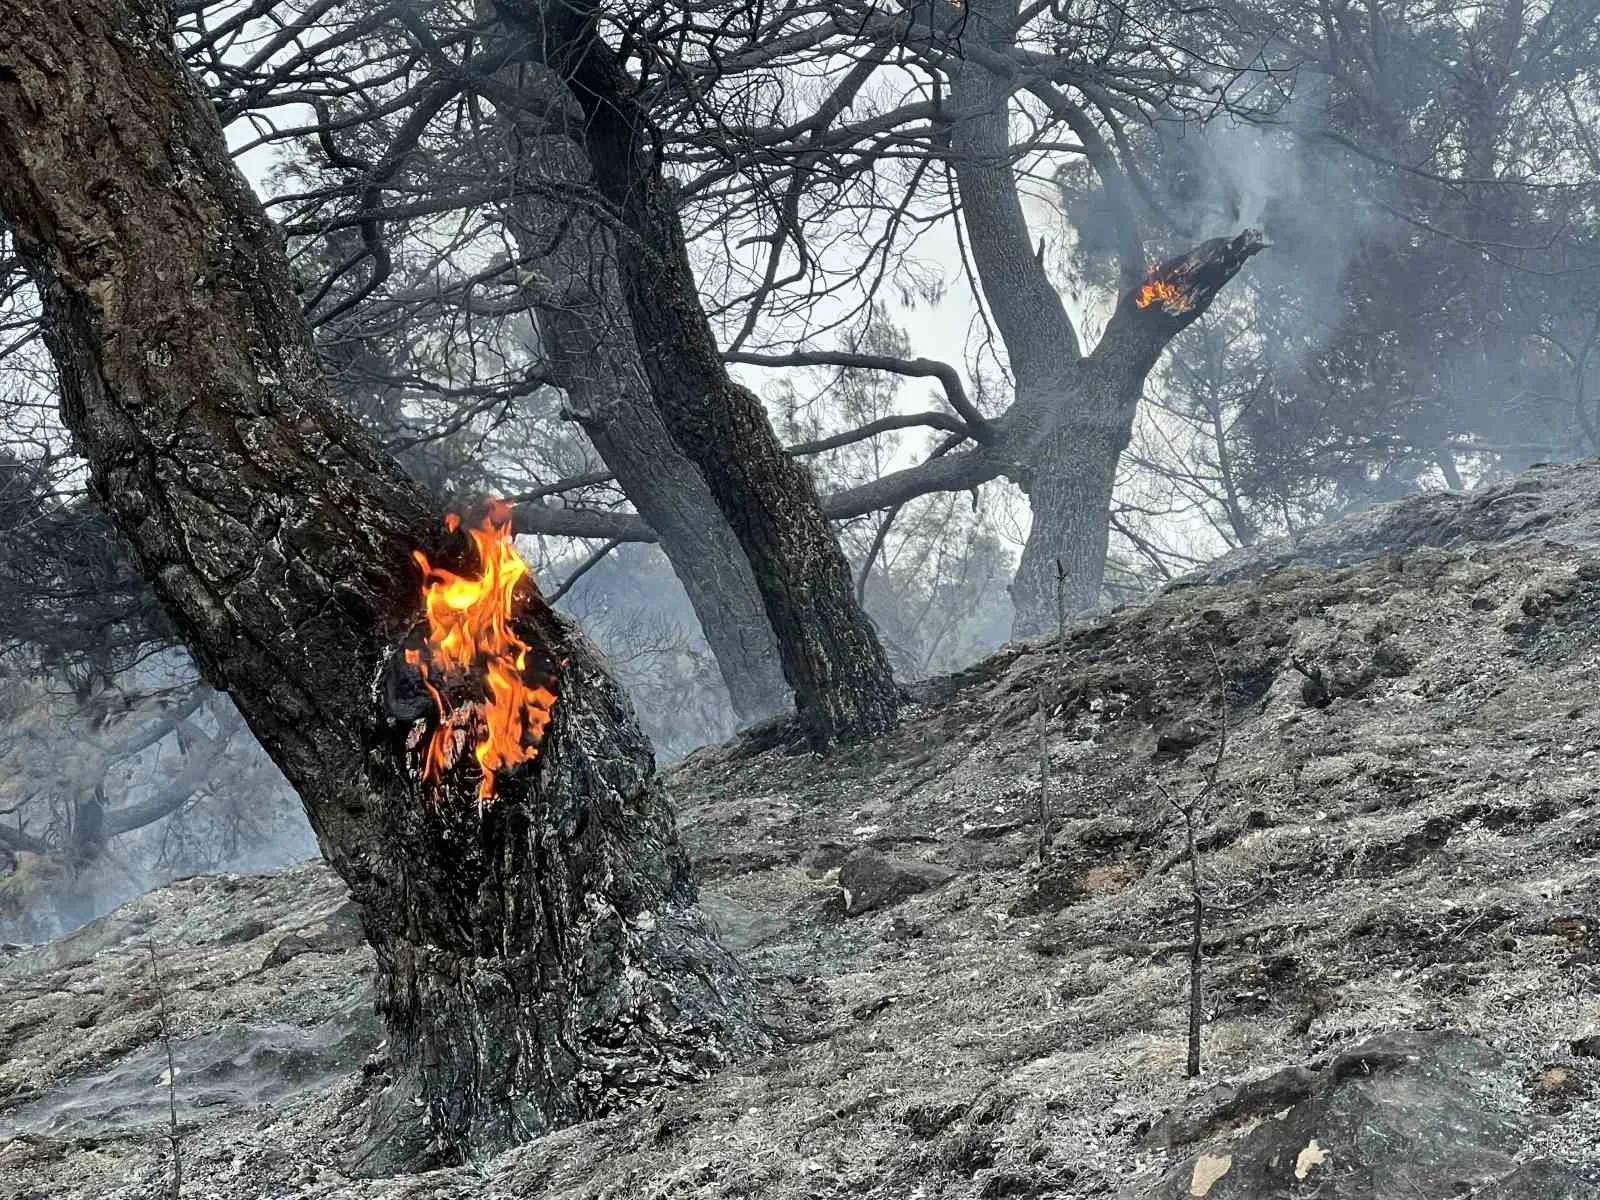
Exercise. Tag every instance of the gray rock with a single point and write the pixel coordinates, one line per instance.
(739, 926)
(339, 933)
(872, 880)
(1403, 1116)
(1231, 1104)
(1587, 1047)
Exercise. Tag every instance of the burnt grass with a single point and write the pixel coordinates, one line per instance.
(1403, 834)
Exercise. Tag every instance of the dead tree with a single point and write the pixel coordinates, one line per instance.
(538, 958)
(1191, 810)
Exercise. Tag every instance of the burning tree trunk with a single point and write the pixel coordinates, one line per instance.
(538, 958)
(844, 690)
(1073, 413)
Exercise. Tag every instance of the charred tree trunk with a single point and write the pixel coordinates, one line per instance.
(843, 687)
(539, 961)
(588, 338)
(1066, 430)
(1071, 476)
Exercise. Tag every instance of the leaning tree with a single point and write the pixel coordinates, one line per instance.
(539, 960)
(435, 234)
(596, 254)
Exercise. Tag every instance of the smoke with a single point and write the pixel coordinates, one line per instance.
(1319, 205)
(77, 768)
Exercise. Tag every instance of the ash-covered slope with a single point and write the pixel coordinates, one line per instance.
(1553, 503)
(1402, 857)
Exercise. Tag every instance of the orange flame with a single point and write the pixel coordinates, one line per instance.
(470, 637)
(1158, 291)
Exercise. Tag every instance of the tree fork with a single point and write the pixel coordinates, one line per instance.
(1073, 449)
(539, 960)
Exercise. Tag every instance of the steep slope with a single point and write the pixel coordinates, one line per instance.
(1401, 855)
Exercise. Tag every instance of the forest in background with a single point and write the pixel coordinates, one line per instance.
(906, 237)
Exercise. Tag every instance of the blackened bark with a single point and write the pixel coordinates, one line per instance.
(588, 338)
(844, 690)
(539, 961)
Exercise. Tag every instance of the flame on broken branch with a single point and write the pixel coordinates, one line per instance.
(471, 646)
(1170, 296)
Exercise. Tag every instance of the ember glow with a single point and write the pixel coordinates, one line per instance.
(1158, 291)
(471, 646)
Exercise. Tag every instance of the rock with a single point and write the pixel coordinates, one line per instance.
(823, 857)
(1229, 1105)
(902, 930)
(1049, 889)
(739, 926)
(1587, 1047)
(340, 932)
(246, 931)
(1404, 1116)
(1180, 737)
(287, 950)
(872, 880)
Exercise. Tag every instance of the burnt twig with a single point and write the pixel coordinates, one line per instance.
(172, 1078)
(1042, 700)
(1190, 811)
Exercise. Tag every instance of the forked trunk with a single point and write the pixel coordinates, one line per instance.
(538, 959)
(1071, 431)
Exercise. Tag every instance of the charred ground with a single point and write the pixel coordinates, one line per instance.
(1402, 852)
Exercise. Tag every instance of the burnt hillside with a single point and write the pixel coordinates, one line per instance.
(1401, 854)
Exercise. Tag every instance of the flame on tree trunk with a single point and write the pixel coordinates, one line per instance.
(552, 967)
(539, 958)
(471, 642)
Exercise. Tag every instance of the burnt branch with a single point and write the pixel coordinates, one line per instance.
(1175, 293)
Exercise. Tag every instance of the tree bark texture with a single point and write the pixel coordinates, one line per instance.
(1071, 440)
(843, 687)
(539, 960)
(587, 336)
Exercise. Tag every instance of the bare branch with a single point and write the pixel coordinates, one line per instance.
(977, 425)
